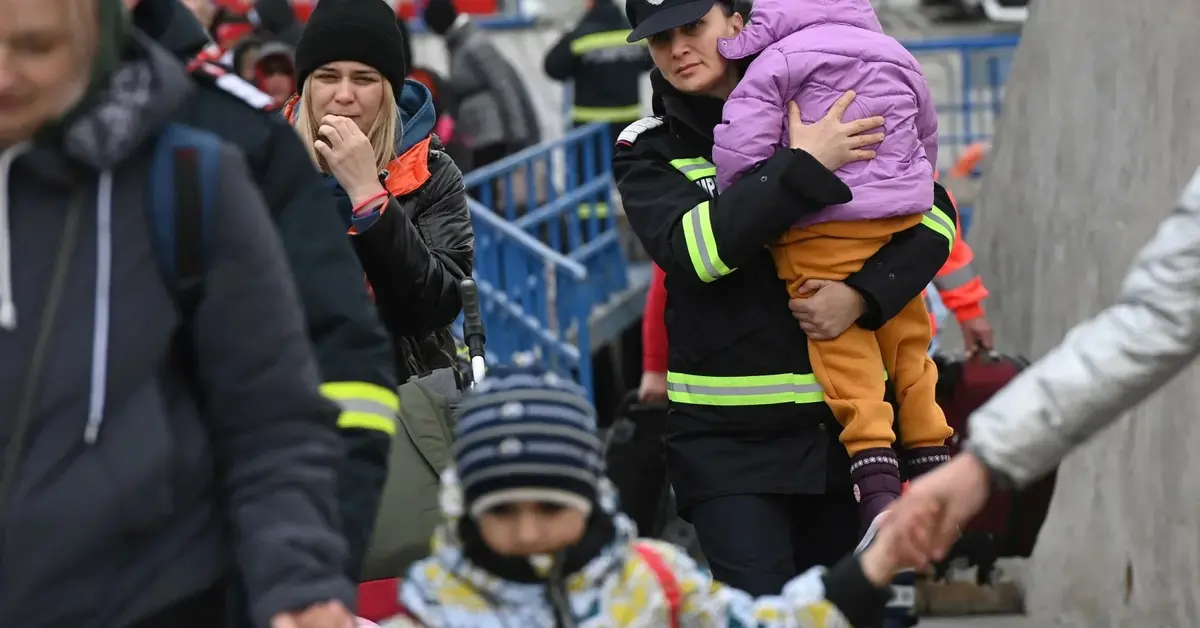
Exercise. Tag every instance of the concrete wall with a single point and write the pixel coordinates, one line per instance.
(1097, 138)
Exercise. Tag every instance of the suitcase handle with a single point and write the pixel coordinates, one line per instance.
(630, 404)
(983, 355)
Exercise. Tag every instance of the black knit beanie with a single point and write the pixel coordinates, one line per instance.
(439, 15)
(352, 30)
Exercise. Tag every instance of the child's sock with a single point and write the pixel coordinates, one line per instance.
(876, 477)
(921, 460)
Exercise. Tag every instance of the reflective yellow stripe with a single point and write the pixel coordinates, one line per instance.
(746, 390)
(627, 113)
(597, 41)
(937, 220)
(585, 210)
(695, 168)
(364, 406)
(702, 246)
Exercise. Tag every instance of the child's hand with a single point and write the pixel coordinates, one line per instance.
(901, 545)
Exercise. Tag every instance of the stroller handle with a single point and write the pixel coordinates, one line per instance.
(473, 332)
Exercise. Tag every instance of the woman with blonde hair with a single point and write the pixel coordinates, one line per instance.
(401, 197)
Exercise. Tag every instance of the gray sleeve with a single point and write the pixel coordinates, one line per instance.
(505, 84)
(1106, 365)
(274, 435)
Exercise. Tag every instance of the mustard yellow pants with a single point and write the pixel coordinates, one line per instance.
(851, 366)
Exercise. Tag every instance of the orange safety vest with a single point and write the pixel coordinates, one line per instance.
(958, 284)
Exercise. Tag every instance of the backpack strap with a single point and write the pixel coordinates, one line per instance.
(666, 579)
(184, 176)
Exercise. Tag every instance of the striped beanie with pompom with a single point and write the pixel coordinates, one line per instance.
(527, 435)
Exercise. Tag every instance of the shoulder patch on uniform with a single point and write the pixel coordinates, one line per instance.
(631, 132)
(235, 85)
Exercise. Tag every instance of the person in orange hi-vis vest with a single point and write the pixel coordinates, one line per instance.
(958, 283)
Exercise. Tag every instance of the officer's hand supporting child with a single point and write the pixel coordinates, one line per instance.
(829, 140)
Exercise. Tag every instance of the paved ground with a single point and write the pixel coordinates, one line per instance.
(1013, 621)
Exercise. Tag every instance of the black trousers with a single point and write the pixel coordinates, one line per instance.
(757, 543)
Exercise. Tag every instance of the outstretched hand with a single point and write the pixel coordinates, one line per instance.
(899, 546)
(957, 491)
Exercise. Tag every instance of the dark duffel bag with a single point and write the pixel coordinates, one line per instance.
(637, 464)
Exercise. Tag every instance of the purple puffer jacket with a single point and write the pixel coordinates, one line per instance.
(812, 51)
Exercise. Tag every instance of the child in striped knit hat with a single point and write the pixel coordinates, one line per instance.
(533, 539)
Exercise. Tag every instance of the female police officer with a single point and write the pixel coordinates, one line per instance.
(751, 445)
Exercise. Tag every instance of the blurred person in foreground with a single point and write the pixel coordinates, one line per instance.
(151, 446)
(1103, 368)
(532, 537)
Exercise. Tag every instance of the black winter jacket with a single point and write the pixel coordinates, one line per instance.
(421, 246)
(200, 457)
(606, 70)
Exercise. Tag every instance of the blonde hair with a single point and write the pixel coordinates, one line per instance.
(382, 134)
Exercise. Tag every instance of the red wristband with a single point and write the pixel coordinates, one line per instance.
(358, 208)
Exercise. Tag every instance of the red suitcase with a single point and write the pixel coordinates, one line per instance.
(1009, 523)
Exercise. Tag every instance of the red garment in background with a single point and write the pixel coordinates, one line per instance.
(654, 324)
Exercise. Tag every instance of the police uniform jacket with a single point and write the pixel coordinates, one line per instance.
(747, 414)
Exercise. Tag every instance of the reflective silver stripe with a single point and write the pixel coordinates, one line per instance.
(742, 391)
(956, 279)
(702, 245)
(366, 406)
(694, 167)
(941, 219)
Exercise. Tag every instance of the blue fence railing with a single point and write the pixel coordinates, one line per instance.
(521, 314)
(967, 77)
(547, 250)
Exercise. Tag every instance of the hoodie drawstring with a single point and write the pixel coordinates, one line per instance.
(8, 305)
(99, 383)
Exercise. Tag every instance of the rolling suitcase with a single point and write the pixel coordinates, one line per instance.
(1009, 523)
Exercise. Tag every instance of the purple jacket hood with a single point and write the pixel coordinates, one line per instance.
(772, 20)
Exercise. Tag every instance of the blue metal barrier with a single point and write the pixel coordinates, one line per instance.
(967, 76)
(521, 314)
(561, 192)
(548, 252)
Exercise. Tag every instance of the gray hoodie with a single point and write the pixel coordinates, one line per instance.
(126, 493)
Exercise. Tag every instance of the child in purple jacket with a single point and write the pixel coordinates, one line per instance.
(811, 52)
